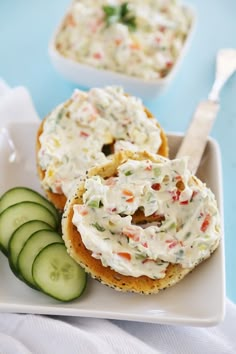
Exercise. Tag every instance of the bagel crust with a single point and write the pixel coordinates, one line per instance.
(59, 200)
(106, 275)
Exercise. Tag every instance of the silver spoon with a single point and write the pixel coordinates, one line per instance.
(195, 139)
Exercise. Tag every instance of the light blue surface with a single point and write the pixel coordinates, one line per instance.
(25, 29)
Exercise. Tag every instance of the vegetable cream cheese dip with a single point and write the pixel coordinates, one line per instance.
(183, 219)
(74, 134)
(140, 38)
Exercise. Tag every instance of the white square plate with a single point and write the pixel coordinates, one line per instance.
(197, 300)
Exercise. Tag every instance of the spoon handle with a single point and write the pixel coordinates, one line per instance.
(195, 140)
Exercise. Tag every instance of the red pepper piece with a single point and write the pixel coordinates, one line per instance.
(84, 134)
(156, 186)
(206, 223)
(97, 55)
(184, 202)
(173, 244)
(176, 195)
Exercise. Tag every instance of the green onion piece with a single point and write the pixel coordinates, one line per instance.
(188, 234)
(128, 173)
(95, 204)
(98, 227)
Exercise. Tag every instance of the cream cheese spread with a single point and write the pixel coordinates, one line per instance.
(187, 226)
(75, 133)
(141, 38)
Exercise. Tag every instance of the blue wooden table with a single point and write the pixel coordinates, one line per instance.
(25, 29)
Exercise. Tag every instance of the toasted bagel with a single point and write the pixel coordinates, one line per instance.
(59, 199)
(106, 275)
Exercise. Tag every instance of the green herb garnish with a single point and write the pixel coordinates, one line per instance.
(140, 257)
(60, 115)
(188, 234)
(128, 173)
(95, 204)
(172, 226)
(98, 227)
(120, 13)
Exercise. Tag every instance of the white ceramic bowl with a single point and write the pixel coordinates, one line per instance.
(88, 76)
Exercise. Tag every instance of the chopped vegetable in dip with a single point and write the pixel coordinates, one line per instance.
(141, 38)
(76, 134)
(183, 219)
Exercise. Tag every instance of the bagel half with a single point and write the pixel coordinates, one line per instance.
(59, 200)
(93, 266)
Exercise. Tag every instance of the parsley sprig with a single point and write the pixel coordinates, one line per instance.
(120, 13)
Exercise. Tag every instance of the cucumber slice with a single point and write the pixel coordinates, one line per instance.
(57, 274)
(32, 247)
(16, 215)
(19, 238)
(23, 194)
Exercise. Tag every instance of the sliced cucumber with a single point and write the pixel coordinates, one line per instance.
(17, 214)
(23, 194)
(32, 247)
(57, 274)
(18, 239)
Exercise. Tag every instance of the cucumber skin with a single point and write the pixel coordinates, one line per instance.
(65, 301)
(54, 226)
(30, 240)
(53, 296)
(47, 204)
(12, 266)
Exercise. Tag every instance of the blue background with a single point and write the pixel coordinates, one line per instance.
(26, 27)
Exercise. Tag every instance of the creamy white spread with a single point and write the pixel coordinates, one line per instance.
(187, 226)
(145, 42)
(75, 133)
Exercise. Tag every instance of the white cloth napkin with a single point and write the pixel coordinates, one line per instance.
(35, 334)
(15, 104)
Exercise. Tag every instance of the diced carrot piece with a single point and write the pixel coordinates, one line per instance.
(169, 64)
(70, 20)
(130, 234)
(127, 193)
(130, 200)
(118, 41)
(135, 46)
(125, 255)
